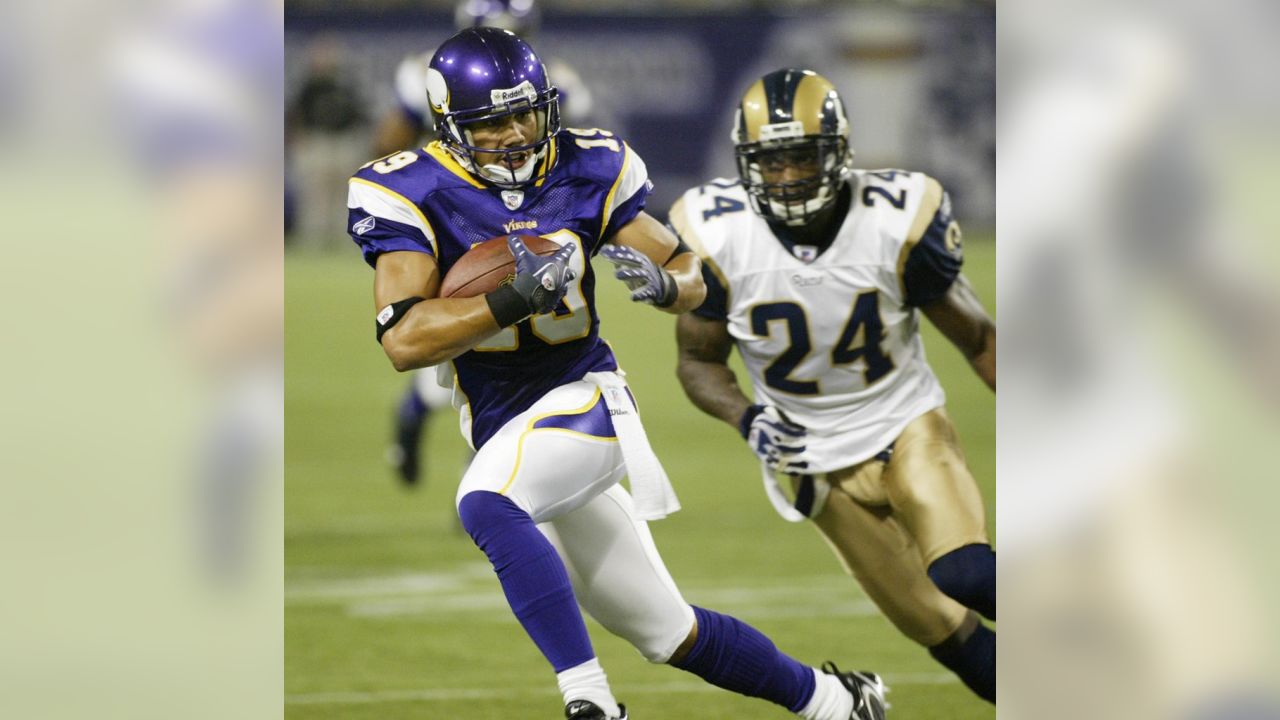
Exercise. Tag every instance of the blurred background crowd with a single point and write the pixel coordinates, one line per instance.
(918, 80)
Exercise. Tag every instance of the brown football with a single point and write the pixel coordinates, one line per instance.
(486, 266)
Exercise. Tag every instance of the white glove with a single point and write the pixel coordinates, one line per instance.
(778, 442)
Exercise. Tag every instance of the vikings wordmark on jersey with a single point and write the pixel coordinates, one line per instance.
(831, 337)
(425, 201)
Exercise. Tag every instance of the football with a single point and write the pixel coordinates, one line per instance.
(486, 266)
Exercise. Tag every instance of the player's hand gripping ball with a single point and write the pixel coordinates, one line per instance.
(535, 267)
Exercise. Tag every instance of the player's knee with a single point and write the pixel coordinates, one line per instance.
(669, 645)
(482, 513)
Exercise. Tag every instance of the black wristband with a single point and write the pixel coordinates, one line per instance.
(507, 305)
(748, 417)
(391, 314)
(670, 291)
(681, 247)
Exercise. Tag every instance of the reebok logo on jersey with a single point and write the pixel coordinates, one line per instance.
(363, 226)
(806, 281)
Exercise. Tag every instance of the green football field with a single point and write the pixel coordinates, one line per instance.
(392, 613)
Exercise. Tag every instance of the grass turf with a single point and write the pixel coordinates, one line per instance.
(392, 613)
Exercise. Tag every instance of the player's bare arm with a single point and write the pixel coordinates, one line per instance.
(959, 315)
(434, 330)
(652, 239)
(703, 368)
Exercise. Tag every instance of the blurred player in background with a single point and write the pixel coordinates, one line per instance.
(407, 125)
(818, 273)
(553, 422)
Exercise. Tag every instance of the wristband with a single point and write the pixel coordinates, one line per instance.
(748, 417)
(507, 305)
(669, 290)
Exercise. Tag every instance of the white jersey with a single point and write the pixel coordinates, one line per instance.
(831, 339)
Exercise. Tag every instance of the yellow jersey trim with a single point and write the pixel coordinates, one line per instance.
(595, 398)
(450, 163)
(550, 162)
(431, 232)
(608, 200)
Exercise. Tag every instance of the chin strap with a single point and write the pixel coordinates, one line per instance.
(502, 173)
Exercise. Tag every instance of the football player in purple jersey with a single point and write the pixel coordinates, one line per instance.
(542, 399)
(408, 125)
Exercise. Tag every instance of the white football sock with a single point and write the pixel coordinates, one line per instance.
(588, 682)
(830, 701)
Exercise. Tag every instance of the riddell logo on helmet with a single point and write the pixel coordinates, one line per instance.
(523, 91)
(774, 131)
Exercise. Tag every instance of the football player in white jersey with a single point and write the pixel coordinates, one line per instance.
(819, 273)
(408, 125)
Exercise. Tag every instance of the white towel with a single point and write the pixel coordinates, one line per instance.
(650, 488)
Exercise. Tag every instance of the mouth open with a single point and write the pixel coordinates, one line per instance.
(517, 160)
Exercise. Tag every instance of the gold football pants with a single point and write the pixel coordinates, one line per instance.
(887, 521)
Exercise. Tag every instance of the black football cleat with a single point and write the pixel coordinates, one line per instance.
(867, 689)
(587, 710)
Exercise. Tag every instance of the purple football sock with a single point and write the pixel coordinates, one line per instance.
(735, 656)
(532, 576)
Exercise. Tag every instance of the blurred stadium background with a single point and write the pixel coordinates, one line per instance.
(141, 510)
(391, 612)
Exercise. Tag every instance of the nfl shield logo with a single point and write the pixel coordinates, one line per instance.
(512, 198)
(806, 253)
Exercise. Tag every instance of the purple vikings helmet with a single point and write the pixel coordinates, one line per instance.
(518, 16)
(485, 74)
(791, 118)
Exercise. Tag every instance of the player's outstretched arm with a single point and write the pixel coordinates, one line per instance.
(434, 329)
(703, 347)
(959, 315)
(704, 373)
(656, 266)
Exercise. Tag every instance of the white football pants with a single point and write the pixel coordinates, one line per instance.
(560, 462)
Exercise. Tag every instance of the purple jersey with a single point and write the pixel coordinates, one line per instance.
(424, 201)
